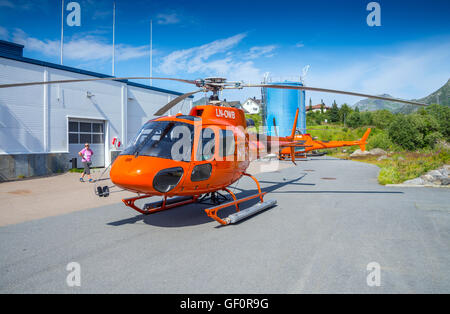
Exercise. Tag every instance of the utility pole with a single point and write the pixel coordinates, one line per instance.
(114, 39)
(151, 52)
(62, 29)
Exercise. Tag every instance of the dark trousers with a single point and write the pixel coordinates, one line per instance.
(87, 169)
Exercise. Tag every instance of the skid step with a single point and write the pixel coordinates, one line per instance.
(233, 218)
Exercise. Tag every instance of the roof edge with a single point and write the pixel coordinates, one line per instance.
(83, 72)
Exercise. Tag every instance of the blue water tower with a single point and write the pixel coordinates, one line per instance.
(282, 104)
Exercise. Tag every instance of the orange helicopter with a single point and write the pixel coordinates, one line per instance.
(187, 158)
(312, 144)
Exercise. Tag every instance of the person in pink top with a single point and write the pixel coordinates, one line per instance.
(86, 155)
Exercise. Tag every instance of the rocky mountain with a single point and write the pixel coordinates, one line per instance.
(441, 96)
(369, 104)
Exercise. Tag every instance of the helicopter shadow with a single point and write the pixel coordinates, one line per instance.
(194, 214)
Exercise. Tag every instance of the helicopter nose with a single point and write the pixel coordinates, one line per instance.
(145, 174)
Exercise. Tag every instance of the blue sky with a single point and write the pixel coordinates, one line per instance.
(408, 56)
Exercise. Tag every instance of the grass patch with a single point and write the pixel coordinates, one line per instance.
(402, 166)
(76, 170)
(80, 170)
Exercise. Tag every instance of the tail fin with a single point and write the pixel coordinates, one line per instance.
(363, 140)
(294, 127)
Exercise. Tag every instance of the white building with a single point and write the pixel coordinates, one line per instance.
(42, 127)
(318, 108)
(252, 105)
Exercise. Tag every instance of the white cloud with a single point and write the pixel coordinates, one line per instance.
(414, 71)
(101, 14)
(88, 48)
(223, 58)
(6, 4)
(165, 19)
(4, 34)
(214, 58)
(198, 59)
(22, 4)
(260, 51)
(300, 45)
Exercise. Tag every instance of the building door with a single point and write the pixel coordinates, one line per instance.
(83, 131)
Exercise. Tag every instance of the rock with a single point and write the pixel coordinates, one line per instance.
(427, 177)
(382, 158)
(378, 152)
(416, 181)
(444, 172)
(360, 153)
(434, 173)
(437, 175)
(432, 177)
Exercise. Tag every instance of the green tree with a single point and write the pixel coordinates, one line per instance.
(428, 129)
(382, 118)
(344, 111)
(380, 140)
(366, 118)
(403, 132)
(334, 113)
(442, 115)
(354, 119)
(414, 131)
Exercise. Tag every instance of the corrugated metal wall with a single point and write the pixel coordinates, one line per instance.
(25, 112)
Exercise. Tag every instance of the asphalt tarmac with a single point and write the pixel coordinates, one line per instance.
(331, 221)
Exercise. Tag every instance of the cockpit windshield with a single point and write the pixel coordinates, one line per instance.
(164, 139)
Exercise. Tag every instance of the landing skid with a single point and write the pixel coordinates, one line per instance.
(165, 204)
(213, 198)
(239, 215)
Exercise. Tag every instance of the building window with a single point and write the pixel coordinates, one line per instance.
(73, 138)
(86, 132)
(73, 126)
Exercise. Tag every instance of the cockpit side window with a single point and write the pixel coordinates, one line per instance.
(164, 139)
(206, 145)
(227, 143)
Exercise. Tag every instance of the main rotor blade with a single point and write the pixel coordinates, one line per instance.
(171, 104)
(97, 79)
(335, 91)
